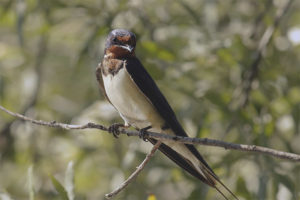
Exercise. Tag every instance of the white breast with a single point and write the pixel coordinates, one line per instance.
(130, 102)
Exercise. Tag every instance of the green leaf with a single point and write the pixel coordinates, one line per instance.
(242, 189)
(59, 188)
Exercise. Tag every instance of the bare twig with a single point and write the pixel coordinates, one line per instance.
(164, 137)
(135, 173)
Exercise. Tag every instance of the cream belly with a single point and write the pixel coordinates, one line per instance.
(133, 106)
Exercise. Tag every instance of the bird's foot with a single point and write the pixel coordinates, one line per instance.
(143, 133)
(114, 129)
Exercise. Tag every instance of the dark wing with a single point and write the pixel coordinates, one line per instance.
(100, 80)
(146, 84)
(181, 161)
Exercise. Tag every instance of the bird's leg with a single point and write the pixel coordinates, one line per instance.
(143, 134)
(114, 129)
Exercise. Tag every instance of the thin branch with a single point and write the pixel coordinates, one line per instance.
(135, 173)
(165, 137)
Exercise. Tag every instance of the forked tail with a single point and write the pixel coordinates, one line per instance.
(215, 182)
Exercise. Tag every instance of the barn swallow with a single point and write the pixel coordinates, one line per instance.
(130, 89)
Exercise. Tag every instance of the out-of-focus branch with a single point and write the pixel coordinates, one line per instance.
(259, 19)
(164, 137)
(135, 173)
(264, 41)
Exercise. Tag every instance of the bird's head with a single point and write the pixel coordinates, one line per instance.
(120, 43)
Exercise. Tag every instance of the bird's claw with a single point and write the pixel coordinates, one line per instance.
(114, 129)
(143, 133)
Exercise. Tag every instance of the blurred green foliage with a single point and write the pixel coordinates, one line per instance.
(199, 53)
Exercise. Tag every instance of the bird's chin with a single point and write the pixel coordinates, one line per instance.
(120, 51)
(127, 48)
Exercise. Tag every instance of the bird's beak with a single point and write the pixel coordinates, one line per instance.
(127, 47)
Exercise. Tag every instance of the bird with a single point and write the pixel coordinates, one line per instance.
(133, 93)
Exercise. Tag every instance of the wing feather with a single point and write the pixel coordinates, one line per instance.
(148, 87)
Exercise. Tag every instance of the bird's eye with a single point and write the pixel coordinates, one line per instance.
(115, 40)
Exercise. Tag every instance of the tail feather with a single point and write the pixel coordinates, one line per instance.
(218, 184)
(200, 170)
(220, 192)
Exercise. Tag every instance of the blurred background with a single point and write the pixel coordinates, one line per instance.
(230, 69)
